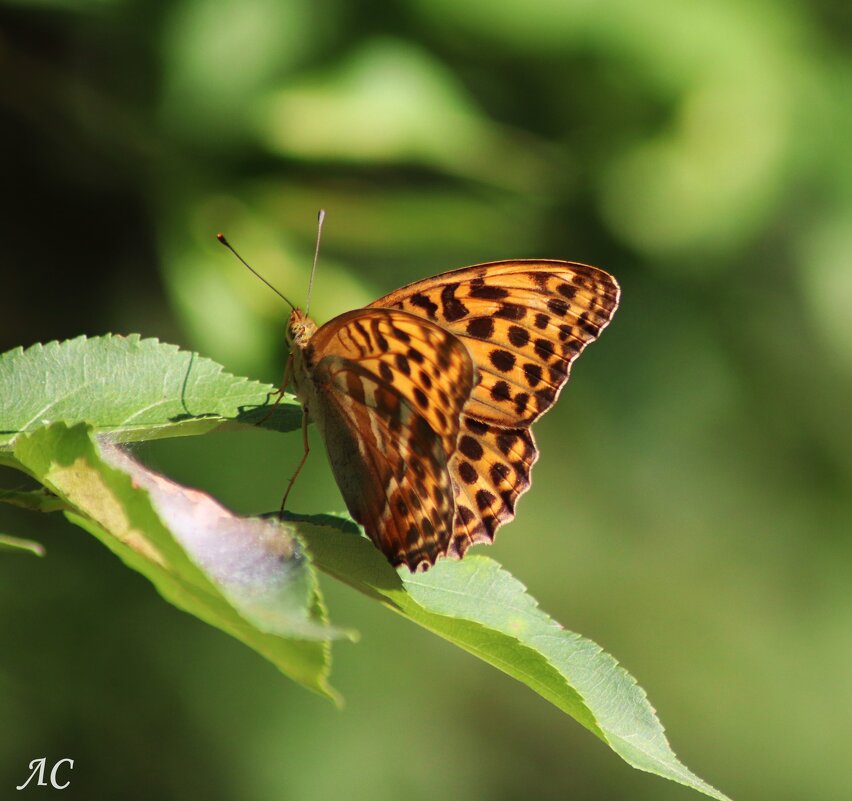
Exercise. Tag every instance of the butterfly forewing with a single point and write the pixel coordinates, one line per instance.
(524, 323)
(387, 388)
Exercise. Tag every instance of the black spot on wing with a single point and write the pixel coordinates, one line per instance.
(544, 349)
(468, 473)
(481, 327)
(511, 311)
(557, 306)
(402, 364)
(589, 327)
(518, 336)
(452, 308)
(488, 292)
(465, 514)
(476, 426)
(484, 499)
(422, 301)
(500, 391)
(420, 397)
(532, 373)
(502, 360)
(499, 472)
(470, 448)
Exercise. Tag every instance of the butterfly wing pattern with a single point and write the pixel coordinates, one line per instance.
(433, 452)
(524, 323)
(386, 390)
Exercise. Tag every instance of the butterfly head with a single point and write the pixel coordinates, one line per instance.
(300, 329)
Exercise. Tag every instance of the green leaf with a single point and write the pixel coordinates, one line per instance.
(39, 500)
(247, 576)
(18, 545)
(251, 577)
(480, 607)
(131, 389)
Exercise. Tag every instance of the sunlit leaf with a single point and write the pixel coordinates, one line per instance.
(248, 577)
(129, 388)
(478, 606)
(18, 545)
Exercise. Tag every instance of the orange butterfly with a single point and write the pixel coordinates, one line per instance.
(425, 397)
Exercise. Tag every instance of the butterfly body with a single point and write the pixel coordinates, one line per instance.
(425, 397)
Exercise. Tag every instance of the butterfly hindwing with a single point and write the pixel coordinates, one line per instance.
(387, 392)
(491, 470)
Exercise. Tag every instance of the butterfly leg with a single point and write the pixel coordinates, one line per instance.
(288, 372)
(307, 447)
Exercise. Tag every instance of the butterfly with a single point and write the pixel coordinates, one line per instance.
(425, 398)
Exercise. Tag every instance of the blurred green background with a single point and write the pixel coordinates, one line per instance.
(691, 509)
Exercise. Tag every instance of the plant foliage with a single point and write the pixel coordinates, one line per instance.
(256, 578)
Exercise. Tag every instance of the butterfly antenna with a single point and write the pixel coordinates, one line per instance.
(227, 244)
(320, 220)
